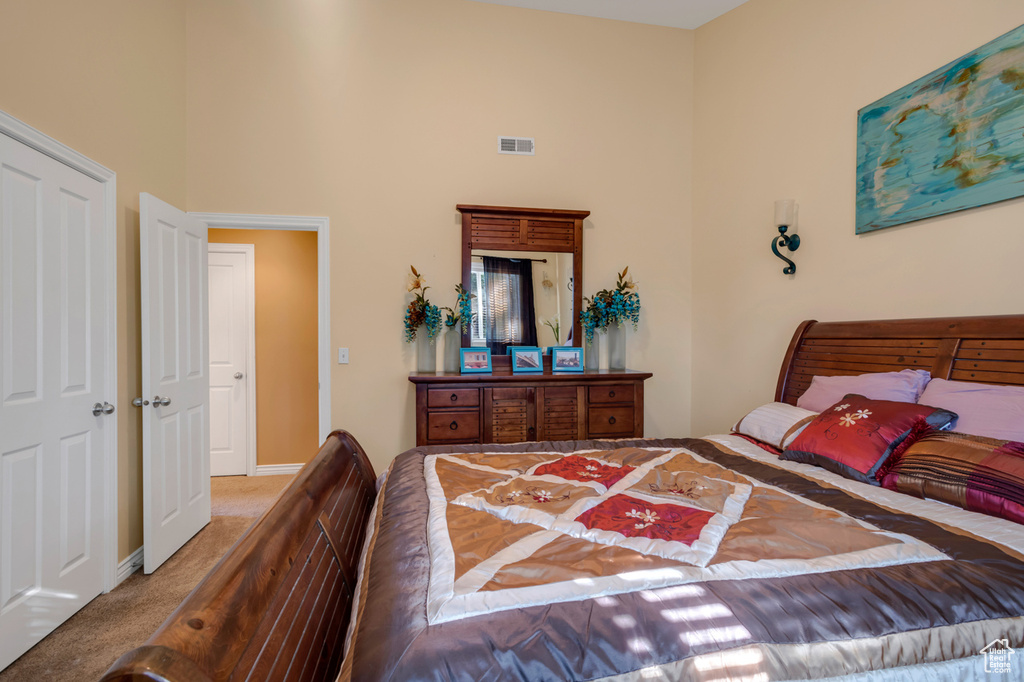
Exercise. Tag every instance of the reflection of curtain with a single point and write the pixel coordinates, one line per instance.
(509, 319)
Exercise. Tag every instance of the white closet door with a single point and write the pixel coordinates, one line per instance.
(232, 343)
(175, 379)
(53, 373)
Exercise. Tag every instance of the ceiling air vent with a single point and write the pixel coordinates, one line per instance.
(515, 145)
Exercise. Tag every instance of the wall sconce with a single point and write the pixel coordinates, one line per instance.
(785, 217)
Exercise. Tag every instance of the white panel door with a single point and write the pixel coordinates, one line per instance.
(175, 379)
(54, 337)
(232, 343)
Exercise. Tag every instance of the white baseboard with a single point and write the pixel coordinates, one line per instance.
(278, 469)
(132, 563)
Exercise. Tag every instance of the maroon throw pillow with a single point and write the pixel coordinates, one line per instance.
(857, 436)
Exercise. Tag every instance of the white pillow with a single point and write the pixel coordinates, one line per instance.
(775, 423)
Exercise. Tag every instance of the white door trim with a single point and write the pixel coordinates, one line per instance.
(41, 142)
(320, 225)
(249, 251)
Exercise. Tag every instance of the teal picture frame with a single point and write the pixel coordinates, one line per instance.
(475, 360)
(527, 360)
(509, 349)
(566, 359)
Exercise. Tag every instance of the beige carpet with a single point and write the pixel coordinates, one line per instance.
(91, 640)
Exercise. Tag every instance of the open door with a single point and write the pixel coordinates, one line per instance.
(175, 379)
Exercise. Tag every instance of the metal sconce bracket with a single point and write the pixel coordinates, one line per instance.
(791, 242)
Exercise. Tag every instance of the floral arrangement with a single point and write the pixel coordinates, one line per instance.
(463, 310)
(420, 310)
(617, 306)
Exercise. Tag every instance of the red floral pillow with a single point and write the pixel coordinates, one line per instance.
(856, 436)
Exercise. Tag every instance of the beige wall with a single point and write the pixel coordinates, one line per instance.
(384, 114)
(778, 86)
(107, 78)
(287, 411)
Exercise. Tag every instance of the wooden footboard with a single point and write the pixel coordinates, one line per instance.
(278, 604)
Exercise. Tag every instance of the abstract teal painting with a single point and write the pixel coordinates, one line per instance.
(951, 140)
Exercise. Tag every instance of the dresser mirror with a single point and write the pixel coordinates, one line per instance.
(524, 266)
(549, 286)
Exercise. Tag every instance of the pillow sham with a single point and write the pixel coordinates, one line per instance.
(774, 423)
(979, 474)
(856, 437)
(985, 409)
(905, 387)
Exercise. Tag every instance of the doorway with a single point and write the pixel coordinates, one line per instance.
(287, 380)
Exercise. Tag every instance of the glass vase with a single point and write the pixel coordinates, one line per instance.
(452, 346)
(592, 353)
(426, 352)
(617, 347)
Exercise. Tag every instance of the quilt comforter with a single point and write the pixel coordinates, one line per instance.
(689, 559)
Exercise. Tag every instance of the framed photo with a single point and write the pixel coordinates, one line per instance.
(509, 349)
(475, 360)
(566, 359)
(527, 360)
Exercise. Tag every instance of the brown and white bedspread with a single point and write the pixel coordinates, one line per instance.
(672, 559)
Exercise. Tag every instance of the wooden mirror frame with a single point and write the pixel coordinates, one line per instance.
(505, 228)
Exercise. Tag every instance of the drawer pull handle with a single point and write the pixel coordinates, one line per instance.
(611, 394)
(454, 397)
(611, 420)
(454, 426)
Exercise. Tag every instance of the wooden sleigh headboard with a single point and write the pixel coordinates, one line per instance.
(974, 349)
(277, 605)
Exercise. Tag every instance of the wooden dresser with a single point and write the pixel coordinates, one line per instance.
(509, 408)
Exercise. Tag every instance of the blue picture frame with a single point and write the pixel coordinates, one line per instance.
(949, 141)
(509, 349)
(566, 359)
(475, 360)
(527, 360)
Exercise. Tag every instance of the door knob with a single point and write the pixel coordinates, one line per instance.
(140, 402)
(157, 401)
(238, 375)
(102, 408)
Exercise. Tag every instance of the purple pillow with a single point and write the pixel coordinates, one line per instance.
(900, 387)
(984, 409)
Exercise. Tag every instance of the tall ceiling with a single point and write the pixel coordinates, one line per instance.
(676, 13)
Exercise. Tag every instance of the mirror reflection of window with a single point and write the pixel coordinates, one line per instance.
(552, 300)
(478, 303)
(508, 315)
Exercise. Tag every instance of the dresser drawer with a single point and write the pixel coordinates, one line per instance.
(454, 397)
(617, 393)
(453, 425)
(610, 421)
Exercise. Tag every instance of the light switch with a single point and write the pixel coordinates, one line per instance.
(343, 356)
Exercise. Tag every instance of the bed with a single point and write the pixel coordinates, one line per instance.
(543, 561)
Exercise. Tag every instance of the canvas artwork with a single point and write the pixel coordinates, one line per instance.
(951, 140)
